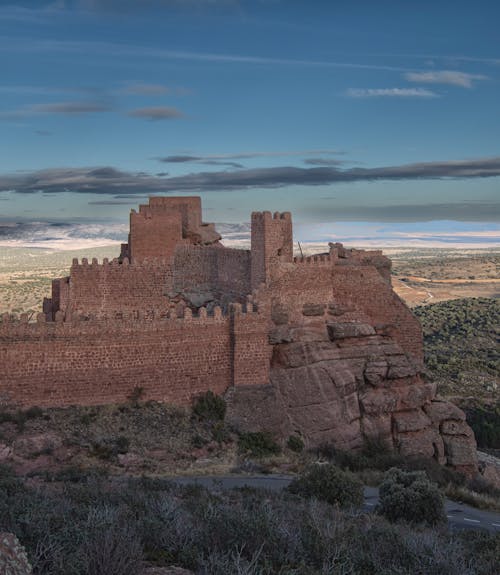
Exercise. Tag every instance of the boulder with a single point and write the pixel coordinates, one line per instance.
(439, 410)
(460, 451)
(13, 558)
(280, 334)
(454, 427)
(338, 330)
(414, 420)
(5, 452)
(376, 371)
(418, 443)
(313, 309)
(400, 366)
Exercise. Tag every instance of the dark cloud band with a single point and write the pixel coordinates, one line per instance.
(109, 180)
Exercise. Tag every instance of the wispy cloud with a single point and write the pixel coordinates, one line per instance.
(457, 211)
(156, 113)
(66, 108)
(391, 93)
(109, 180)
(111, 203)
(120, 50)
(451, 77)
(323, 162)
(146, 89)
(147, 5)
(187, 158)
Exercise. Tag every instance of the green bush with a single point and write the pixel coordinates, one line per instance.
(257, 444)
(209, 407)
(410, 496)
(295, 443)
(329, 483)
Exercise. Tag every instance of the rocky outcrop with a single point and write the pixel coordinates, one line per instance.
(13, 558)
(345, 382)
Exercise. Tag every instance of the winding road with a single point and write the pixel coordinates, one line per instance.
(460, 516)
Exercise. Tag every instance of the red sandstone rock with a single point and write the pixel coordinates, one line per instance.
(414, 420)
(439, 410)
(339, 330)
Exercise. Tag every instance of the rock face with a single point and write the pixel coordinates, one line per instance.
(13, 559)
(343, 383)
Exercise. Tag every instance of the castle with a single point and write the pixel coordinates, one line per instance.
(320, 346)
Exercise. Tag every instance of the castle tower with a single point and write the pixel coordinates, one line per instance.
(164, 223)
(271, 243)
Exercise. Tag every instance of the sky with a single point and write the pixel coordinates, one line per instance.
(375, 120)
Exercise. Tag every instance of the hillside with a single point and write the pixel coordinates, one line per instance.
(461, 340)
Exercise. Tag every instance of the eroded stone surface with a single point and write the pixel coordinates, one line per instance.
(355, 387)
(13, 558)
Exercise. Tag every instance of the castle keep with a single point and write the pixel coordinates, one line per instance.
(320, 346)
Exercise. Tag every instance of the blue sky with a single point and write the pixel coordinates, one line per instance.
(383, 112)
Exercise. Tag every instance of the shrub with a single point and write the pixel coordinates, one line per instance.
(136, 395)
(220, 433)
(109, 448)
(295, 443)
(34, 412)
(329, 483)
(258, 444)
(410, 496)
(209, 407)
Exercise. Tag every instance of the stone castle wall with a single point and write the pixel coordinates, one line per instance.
(102, 361)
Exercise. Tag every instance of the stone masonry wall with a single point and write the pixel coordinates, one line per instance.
(98, 362)
(104, 288)
(359, 291)
(223, 271)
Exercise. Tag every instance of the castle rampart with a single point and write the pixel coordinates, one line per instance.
(102, 360)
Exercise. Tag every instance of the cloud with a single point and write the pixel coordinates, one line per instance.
(146, 5)
(109, 180)
(43, 133)
(58, 234)
(65, 108)
(451, 77)
(184, 158)
(460, 211)
(111, 203)
(207, 161)
(323, 162)
(122, 50)
(391, 93)
(156, 113)
(146, 89)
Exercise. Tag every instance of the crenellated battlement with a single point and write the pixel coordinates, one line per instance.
(320, 259)
(116, 263)
(14, 326)
(176, 312)
(269, 217)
